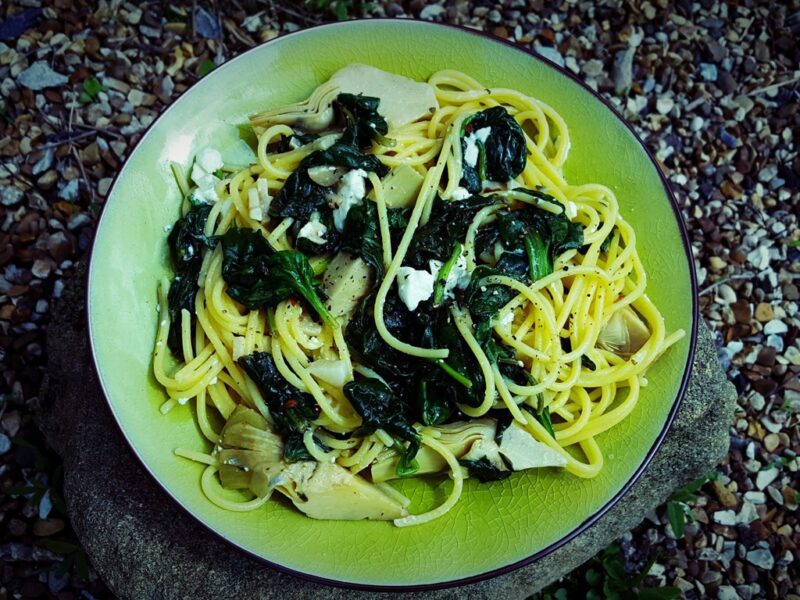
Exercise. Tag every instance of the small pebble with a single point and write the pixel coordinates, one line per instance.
(776, 326)
(761, 558)
(765, 477)
(664, 104)
(5, 443)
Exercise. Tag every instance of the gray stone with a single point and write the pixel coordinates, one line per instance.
(145, 546)
(40, 76)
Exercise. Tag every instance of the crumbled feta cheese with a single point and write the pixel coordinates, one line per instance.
(505, 321)
(206, 183)
(209, 160)
(237, 346)
(182, 400)
(294, 143)
(459, 193)
(313, 231)
(471, 151)
(352, 189)
(414, 286)
(263, 195)
(571, 210)
(254, 205)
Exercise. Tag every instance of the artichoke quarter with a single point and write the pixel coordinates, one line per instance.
(251, 458)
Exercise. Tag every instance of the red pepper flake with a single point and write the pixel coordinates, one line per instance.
(291, 403)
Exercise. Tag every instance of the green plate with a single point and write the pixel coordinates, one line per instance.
(495, 527)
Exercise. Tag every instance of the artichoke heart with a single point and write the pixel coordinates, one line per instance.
(251, 458)
(624, 334)
(402, 100)
(474, 440)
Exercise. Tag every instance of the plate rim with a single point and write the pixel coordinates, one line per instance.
(547, 550)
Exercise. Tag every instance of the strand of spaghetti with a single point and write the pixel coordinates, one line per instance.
(314, 450)
(480, 218)
(426, 193)
(200, 457)
(324, 402)
(564, 431)
(383, 218)
(274, 238)
(283, 368)
(463, 323)
(206, 483)
(505, 395)
(458, 485)
(368, 457)
(604, 422)
(202, 418)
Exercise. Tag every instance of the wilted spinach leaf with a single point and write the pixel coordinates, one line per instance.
(291, 410)
(245, 266)
(363, 122)
(483, 300)
(380, 409)
(187, 240)
(258, 276)
(186, 243)
(362, 237)
(502, 156)
(447, 226)
(484, 471)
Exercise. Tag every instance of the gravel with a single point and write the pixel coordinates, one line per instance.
(711, 87)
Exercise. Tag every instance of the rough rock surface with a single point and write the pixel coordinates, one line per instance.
(145, 546)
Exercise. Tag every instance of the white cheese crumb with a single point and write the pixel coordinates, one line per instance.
(294, 143)
(471, 152)
(254, 205)
(209, 160)
(459, 193)
(414, 286)
(352, 189)
(314, 230)
(238, 347)
(571, 210)
(182, 400)
(213, 381)
(263, 196)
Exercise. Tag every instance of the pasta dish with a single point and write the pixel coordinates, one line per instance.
(401, 284)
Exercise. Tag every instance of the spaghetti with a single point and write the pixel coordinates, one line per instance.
(533, 328)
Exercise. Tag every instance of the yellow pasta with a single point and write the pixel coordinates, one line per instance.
(561, 354)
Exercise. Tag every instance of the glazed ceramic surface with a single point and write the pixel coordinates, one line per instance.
(494, 526)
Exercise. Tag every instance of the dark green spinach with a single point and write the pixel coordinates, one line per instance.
(363, 123)
(186, 243)
(504, 153)
(484, 470)
(361, 236)
(381, 409)
(292, 411)
(259, 276)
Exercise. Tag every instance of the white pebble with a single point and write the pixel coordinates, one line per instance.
(761, 558)
(776, 326)
(726, 294)
(748, 514)
(775, 341)
(697, 123)
(755, 497)
(664, 105)
(725, 517)
(765, 477)
(727, 592)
